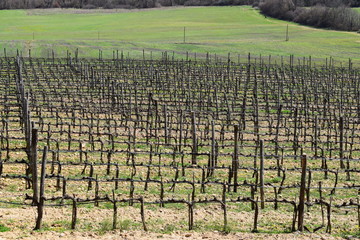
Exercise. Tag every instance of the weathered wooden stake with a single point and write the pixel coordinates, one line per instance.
(235, 163)
(42, 189)
(341, 129)
(194, 140)
(33, 164)
(262, 197)
(302, 193)
(74, 213)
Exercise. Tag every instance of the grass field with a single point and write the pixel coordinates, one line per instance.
(219, 30)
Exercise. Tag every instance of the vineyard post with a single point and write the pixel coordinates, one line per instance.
(212, 154)
(350, 64)
(26, 120)
(341, 128)
(262, 197)
(194, 140)
(33, 164)
(235, 164)
(302, 193)
(42, 189)
(74, 213)
(277, 139)
(184, 34)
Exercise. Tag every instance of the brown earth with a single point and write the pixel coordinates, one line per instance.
(21, 221)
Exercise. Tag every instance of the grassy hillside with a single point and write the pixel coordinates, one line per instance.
(219, 30)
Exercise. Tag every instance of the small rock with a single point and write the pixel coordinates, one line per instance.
(188, 235)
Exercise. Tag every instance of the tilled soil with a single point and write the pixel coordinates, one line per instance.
(22, 220)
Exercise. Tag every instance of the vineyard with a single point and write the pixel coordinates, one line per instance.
(248, 145)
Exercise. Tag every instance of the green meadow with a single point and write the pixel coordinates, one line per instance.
(217, 30)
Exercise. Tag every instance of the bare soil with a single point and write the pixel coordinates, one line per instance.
(21, 221)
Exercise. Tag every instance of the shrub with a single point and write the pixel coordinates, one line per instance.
(278, 8)
(198, 3)
(165, 3)
(338, 18)
(89, 6)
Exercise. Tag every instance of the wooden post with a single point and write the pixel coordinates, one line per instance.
(302, 193)
(42, 189)
(262, 197)
(235, 164)
(194, 140)
(33, 164)
(212, 153)
(74, 213)
(184, 34)
(341, 154)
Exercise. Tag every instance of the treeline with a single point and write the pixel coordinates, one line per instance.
(328, 3)
(265, 4)
(330, 14)
(88, 4)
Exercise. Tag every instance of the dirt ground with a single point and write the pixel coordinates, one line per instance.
(142, 235)
(21, 221)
